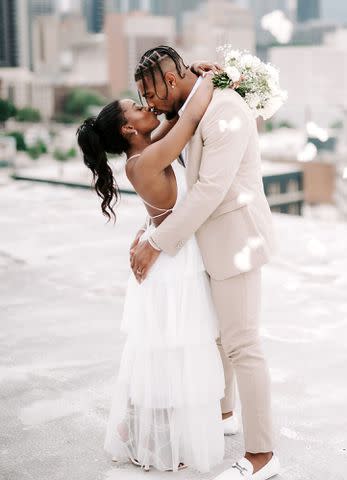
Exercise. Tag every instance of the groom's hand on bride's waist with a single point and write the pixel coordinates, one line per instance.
(142, 258)
(136, 241)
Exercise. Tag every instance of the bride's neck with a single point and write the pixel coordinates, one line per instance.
(138, 145)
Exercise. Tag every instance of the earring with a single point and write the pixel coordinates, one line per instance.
(136, 132)
(172, 86)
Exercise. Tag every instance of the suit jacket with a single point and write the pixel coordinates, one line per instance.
(225, 204)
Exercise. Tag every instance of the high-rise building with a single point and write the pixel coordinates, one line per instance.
(94, 11)
(259, 9)
(225, 22)
(8, 34)
(126, 6)
(262, 7)
(42, 7)
(176, 9)
(37, 8)
(128, 36)
(14, 33)
(308, 10)
(156, 7)
(334, 10)
(309, 98)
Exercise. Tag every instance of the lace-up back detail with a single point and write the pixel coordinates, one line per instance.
(163, 211)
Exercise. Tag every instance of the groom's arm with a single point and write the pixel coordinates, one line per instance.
(226, 130)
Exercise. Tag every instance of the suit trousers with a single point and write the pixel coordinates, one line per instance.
(238, 304)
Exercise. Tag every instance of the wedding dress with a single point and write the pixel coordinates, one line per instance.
(165, 408)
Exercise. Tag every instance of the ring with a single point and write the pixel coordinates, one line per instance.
(138, 271)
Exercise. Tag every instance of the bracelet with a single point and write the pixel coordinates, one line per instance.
(153, 244)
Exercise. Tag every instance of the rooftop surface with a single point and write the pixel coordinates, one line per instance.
(62, 283)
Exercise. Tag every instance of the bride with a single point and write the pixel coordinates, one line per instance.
(165, 410)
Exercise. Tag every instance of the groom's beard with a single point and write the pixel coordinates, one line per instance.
(171, 115)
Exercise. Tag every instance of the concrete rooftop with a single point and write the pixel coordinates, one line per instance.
(62, 283)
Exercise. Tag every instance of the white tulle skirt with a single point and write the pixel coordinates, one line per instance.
(166, 404)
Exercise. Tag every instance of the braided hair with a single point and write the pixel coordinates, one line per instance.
(96, 137)
(150, 64)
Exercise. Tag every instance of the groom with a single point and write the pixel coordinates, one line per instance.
(227, 210)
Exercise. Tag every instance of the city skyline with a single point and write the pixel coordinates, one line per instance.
(330, 10)
(52, 52)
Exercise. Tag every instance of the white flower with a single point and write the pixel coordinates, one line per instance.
(232, 56)
(249, 61)
(260, 82)
(233, 73)
(253, 100)
(262, 69)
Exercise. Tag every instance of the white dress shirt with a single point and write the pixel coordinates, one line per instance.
(181, 110)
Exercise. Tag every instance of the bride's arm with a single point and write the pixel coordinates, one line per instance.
(164, 129)
(156, 157)
(199, 68)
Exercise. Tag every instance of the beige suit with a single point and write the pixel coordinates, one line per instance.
(227, 210)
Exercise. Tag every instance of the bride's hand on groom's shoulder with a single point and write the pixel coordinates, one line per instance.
(201, 67)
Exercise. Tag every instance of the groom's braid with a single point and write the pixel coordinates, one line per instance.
(150, 63)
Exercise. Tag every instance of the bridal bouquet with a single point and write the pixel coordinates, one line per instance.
(257, 82)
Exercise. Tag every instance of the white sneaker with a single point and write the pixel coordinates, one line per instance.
(243, 470)
(231, 425)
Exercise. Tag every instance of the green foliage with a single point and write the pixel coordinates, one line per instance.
(64, 155)
(337, 124)
(65, 118)
(79, 100)
(285, 124)
(221, 80)
(36, 150)
(28, 114)
(72, 153)
(269, 126)
(20, 141)
(7, 110)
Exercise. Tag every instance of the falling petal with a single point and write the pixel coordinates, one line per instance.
(308, 153)
(278, 25)
(255, 242)
(242, 259)
(244, 198)
(314, 131)
(231, 125)
(287, 432)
